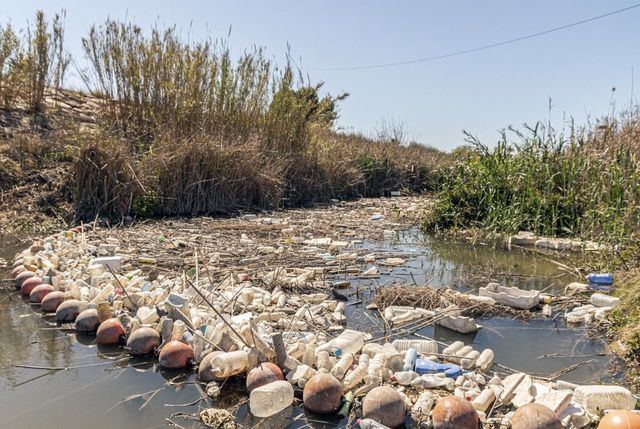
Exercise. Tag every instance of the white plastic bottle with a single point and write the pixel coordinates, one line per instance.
(227, 364)
(423, 347)
(349, 341)
(469, 360)
(341, 367)
(371, 349)
(354, 377)
(309, 356)
(453, 348)
(404, 378)
(271, 398)
(485, 360)
(421, 409)
(483, 401)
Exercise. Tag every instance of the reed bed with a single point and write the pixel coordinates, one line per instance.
(581, 182)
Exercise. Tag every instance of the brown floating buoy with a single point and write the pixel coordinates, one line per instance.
(454, 412)
(384, 405)
(110, 332)
(535, 416)
(20, 278)
(17, 270)
(29, 284)
(143, 341)
(87, 321)
(620, 419)
(52, 301)
(322, 394)
(68, 310)
(264, 373)
(205, 369)
(39, 292)
(175, 355)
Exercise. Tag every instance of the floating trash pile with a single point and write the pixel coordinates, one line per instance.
(283, 331)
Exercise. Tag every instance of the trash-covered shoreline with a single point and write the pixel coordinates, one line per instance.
(259, 303)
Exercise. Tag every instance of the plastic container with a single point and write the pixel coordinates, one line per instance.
(405, 378)
(602, 279)
(349, 341)
(410, 357)
(354, 377)
(602, 300)
(371, 349)
(271, 398)
(309, 356)
(421, 346)
(341, 367)
(602, 397)
(371, 424)
(227, 364)
(323, 362)
(485, 360)
(430, 381)
(422, 407)
(426, 366)
(483, 401)
(469, 360)
(453, 348)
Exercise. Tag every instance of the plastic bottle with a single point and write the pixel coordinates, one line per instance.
(483, 401)
(453, 348)
(604, 279)
(271, 398)
(376, 365)
(602, 397)
(422, 407)
(460, 354)
(227, 364)
(425, 347)
(371, 424)
(430, 381)
(405, 378)
(354, 377)
(371, 349)
(469, 360)
(602, 300)
(309, 356)
(178, 330)
(349, 341)
(410, 357)
(485, 360)
(323, 361)
(341, 367)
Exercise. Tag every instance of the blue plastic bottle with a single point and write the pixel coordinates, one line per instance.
(426, 366)
(410, 357)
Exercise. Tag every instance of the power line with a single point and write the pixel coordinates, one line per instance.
(480, 48)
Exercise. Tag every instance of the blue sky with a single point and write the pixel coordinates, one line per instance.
(481, 92)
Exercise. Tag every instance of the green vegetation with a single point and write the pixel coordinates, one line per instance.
(579, 183)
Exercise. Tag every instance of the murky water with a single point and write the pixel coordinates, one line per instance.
(102, 388)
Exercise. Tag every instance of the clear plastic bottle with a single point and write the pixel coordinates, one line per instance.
(309, 356)
(602, 300)
(461, 353)
(178, 330)
(341, 367)
(424, 347)
(404, 378)
(323, 361)
(370, 349)
(376, 366)
(485, 360)
(227, 364)
(271, 398)
(354, 377)
(371, 424)
(349, 341)
(430, 381)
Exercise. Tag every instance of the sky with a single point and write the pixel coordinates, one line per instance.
(481, 92)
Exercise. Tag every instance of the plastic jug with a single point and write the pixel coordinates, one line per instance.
(271, 398)
(227, 364)
(602, 397)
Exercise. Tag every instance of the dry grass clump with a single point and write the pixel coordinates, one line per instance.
(430, 299)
